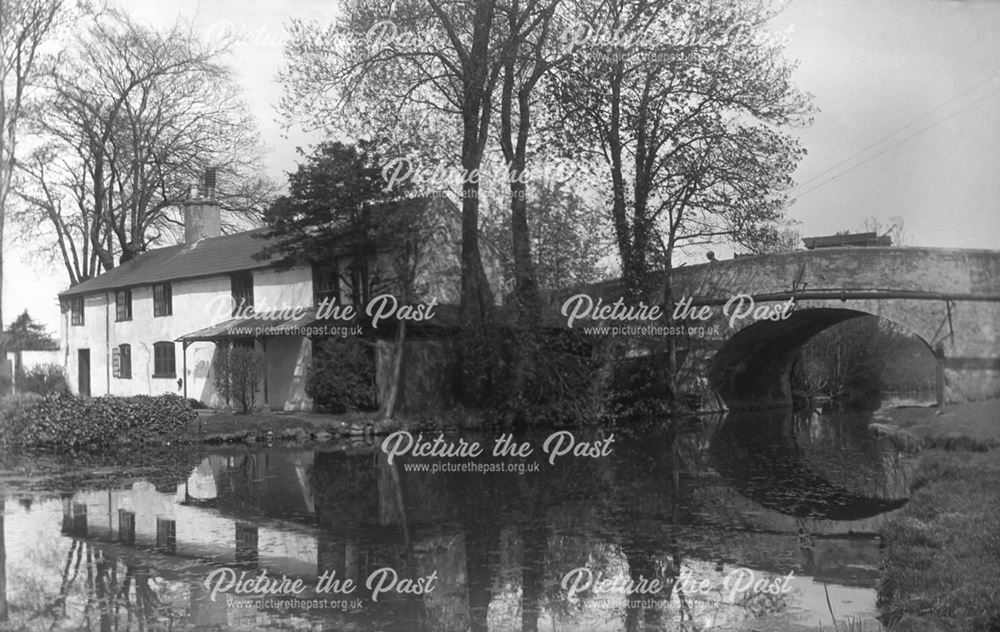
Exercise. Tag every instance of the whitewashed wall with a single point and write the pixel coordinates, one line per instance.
(196, 305)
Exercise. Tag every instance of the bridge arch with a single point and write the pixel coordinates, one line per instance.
(752, 369)
(949, 298)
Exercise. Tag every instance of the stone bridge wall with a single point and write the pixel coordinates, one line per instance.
(948, 298)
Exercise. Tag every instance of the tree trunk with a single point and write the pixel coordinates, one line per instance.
(668, 306)
(631, 257)
(526, 282)
(477, 300)
(394, 400)
(476, 310)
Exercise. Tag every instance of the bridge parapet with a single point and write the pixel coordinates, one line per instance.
(950, 298)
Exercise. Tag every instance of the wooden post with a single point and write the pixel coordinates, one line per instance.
(263, 345)
(939, 375)
(184, 365)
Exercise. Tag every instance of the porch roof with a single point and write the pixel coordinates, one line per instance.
(446, 316)
(245, 328)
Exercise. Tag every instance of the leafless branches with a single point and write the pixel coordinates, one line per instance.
(135, 116)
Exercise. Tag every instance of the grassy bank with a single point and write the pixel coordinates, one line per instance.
(942, 557)
(973, 425)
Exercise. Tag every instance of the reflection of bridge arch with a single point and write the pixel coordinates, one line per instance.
(758, 455)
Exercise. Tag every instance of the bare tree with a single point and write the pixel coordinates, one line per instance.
(136, 115)
(395, 67)
(24, 26)
(531, 30)
(684, 102)
(569, 234)
(895, 230)
(412, 234)
(684, 105)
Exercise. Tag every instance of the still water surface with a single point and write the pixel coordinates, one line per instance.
(749, 522)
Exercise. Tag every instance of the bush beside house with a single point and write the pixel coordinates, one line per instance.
(66, 421)
(342, 376)
(237, 375)
(43, 380)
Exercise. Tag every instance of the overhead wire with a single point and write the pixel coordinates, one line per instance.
(797, 190)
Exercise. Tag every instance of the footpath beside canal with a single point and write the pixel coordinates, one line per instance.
(942, 551)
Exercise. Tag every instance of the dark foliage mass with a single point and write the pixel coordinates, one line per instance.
(342, 376)
(854, 362)
(64, 421)
(43, 380)
(26, 334)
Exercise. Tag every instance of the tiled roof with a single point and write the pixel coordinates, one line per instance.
(217, 255)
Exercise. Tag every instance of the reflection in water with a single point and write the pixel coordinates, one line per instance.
(702, 508)
(768, 459)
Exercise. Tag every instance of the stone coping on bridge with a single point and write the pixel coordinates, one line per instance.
(949, 298)
(928, 270)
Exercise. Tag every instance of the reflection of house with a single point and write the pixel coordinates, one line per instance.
(251, 512)
(152, 325)
(192, 522)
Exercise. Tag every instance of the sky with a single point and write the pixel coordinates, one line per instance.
(908, 121)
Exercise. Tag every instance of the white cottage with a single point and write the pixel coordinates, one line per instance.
(152, 325)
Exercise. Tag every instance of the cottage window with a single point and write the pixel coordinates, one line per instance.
(164, 360)
(123, 305)
(121, 362)
(163, 300)
(326, 283)
(242, 286)
(76, 310)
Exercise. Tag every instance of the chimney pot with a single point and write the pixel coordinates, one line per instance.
(202, 217)
(209, 180)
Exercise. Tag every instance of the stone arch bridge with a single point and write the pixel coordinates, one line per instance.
(948, 298)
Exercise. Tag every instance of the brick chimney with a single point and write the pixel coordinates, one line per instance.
(202, 216)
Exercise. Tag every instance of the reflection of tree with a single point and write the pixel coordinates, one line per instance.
(244, 483)
(841, 448)
(649, 550)
(344, 489)
(533, 575)
(117, 595)
(3, 564)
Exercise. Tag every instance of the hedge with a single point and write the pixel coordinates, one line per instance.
(67, 421)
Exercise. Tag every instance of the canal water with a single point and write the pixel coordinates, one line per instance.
(763, 521)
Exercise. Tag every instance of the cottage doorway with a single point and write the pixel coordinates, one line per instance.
(83, 372)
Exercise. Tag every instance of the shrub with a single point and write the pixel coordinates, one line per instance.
(43, 379)
(558, 382)
(246, 366)
(342, 376)
(236, 375)
(220, 373)
(64, 421)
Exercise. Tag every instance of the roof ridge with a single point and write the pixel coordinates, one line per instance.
(212, 256)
